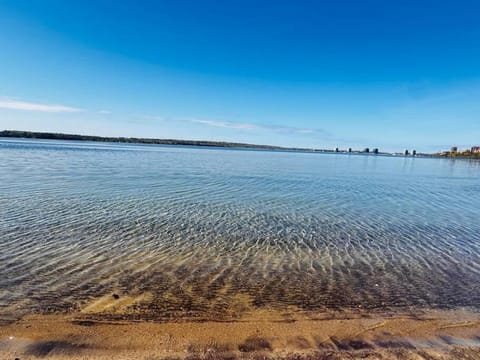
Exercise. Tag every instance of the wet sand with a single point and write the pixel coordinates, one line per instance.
(259, 333)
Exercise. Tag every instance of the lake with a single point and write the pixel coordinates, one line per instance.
(210, 233)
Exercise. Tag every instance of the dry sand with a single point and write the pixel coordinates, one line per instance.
(259, 333)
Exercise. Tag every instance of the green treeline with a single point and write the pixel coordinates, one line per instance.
(60, 136)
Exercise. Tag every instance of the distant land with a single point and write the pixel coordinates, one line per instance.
(472, 153)
(222, 144)
(61, 136)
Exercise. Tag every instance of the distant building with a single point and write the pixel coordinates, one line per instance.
(453, 149)
(336, 150)
(367, 150)
(375, 151)
(406, 153)
(349, 149)
(475, 149)
(414, 152)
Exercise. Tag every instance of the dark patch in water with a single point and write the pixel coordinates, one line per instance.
(394, 344)
(286, 321)
(45, 348)
(84, 322)
(351, 344)
(95, 322)
(448, 339)
(255, 344)
(4, 322)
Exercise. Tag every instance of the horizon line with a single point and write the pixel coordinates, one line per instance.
(48, 135)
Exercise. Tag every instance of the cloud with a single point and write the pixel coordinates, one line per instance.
(104, 112)
(279, 129)
(227, 124)
(11, 104)
(305, 131)
(250, 126)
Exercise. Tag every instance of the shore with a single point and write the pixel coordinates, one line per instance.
(258, 334)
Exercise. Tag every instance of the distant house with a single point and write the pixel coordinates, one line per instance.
(475, 149)
(453, 149)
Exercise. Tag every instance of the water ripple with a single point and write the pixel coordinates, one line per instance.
(211, 232)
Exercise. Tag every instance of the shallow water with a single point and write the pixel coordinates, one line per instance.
(213, 232)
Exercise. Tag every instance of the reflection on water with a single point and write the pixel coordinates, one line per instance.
(212, 232)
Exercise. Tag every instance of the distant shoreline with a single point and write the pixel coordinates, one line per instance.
(212, 144)
(151, 141)
(156, 141)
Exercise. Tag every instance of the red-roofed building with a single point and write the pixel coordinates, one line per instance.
(475, 149)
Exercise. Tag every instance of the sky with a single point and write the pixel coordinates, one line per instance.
(388, 74)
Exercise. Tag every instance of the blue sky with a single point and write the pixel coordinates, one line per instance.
(385, 74)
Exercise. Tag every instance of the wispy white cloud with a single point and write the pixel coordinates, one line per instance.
(305, 131)
(104, 112)
(12, 104)
(251, 126)
(226, 124)
(285, 130)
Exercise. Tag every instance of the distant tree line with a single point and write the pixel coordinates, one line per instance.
(60, 136)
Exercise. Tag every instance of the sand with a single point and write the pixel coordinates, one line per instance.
(260, 333)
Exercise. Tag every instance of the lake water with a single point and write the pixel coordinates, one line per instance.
(210, 232)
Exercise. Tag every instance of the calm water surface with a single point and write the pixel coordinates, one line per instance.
(213, 232)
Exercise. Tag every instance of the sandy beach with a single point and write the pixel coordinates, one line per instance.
(259, 333)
